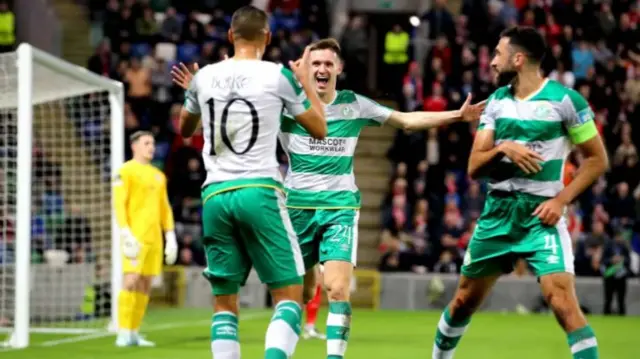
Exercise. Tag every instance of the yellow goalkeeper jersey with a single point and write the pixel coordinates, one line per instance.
(141, 201)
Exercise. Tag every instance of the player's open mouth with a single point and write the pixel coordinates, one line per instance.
(322, 80)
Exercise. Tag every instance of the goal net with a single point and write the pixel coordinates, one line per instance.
(61, 133)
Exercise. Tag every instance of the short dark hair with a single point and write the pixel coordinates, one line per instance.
(249, 23)
(527, 40)
(138, 135)
(327, 44)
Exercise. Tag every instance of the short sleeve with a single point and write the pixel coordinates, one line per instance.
(578, 118)
(291, 93)
(373, 111)
(191, 97)
(488, 116)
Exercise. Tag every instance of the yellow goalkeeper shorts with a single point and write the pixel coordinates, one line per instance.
(148, 263)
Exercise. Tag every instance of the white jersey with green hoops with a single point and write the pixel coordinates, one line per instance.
(548, 122)
(320, 172)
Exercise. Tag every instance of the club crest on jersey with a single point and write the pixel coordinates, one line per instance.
(543, 111)
(158, 177)
(347, 112)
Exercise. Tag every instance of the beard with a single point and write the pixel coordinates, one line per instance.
(506, 77)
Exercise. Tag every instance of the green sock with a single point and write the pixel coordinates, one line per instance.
(583, 343)
(338, 328)
(224, 336)
(448, 335)
(283, 331)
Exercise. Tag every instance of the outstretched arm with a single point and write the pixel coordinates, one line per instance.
(421, 120)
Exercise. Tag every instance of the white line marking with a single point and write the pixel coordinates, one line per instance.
(153, 328)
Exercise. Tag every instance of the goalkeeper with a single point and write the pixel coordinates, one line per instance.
(142, 211)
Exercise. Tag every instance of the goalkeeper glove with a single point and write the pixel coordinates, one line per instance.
(171, 248)
(130, 245)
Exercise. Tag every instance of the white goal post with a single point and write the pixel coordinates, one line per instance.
(61, 135)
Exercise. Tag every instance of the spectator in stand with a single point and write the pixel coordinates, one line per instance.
(355, 47)
(171, 28)
(7, 28)
(412, 88)
(396, 59)
(147, 28)
(103, 62)
(615, 269)
(622, 207)
(473, 201)
(583, 60)
(440, 21)
(138, 79)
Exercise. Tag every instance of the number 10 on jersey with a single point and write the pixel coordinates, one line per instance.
(224, 118)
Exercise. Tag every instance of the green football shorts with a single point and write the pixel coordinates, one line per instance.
(326, 234)
(245, 227)
(507, 230)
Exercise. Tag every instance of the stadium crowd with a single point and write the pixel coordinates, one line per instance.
(429, 213)
(432, 206)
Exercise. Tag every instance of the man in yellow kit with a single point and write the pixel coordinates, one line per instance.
(143, 212)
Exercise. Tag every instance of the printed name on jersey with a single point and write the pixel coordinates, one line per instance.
(585, 116)
(231, 82)
(328, 144)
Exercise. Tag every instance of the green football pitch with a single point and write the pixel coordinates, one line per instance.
(384, 334)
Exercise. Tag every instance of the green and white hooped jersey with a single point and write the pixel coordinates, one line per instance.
(321, 171)
(241, 103)
(549, 122)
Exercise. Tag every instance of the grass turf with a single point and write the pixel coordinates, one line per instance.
(184, 333)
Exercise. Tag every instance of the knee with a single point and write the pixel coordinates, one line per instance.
(338, 290)
(131, 282)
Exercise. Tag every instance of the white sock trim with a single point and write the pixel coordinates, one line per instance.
(338, 320)
(281, 336)
(336, 347)
(225, 349)
(449, 331)
(442, 354)
(583, 345)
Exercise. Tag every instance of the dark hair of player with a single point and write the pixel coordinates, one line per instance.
(249, 23)
(528, 40)
(138, 135)
(327, 44)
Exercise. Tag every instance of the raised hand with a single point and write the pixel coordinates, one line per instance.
(469, 112)
(302, 67)
(181, 75)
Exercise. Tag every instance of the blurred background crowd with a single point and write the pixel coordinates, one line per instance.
(431, 206)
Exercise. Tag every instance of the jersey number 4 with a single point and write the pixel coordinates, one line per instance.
(255, 125)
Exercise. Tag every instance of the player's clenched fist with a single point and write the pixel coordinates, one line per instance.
(526, 159)
(130, 245)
